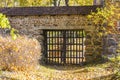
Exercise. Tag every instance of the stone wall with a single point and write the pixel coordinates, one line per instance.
(94, 46)
(32, 26)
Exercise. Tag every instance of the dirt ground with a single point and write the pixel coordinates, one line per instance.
(45, 72)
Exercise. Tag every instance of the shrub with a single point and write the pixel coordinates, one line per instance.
(20, 54)
(115, 64)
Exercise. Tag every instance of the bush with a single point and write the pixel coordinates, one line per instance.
(20, 54)
(115, 64)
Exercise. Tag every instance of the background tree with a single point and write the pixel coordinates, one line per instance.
(104, 21)
(4, 24)
(23, 3)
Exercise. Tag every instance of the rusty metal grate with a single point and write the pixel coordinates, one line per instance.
(64, 46)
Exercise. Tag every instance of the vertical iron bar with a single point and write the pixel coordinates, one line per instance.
(58, 39)
(76, 47)
(52, 45)
(64, 47)
(56, 53)
(49, 46)
(61, 42)
(79, 46)
(82, 46)
(70, 47)
(60, 47)
(73, 46)
(45, 46)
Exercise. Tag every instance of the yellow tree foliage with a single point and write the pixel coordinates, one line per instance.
(106, 16)
(23, 3)
(4, 23)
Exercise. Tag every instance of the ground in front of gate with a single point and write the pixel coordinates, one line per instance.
(88, 72)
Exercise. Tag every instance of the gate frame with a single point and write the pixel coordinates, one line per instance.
(45, 52)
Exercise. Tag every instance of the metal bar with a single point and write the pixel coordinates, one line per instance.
(76, 48)
(82, 46)
(64, 47)
(70, 48)
(61, 41)
(55, 47)
(79, 46)
(48, 45)
(58, 46)
(45, 46)
(73, 45)
(52, 45)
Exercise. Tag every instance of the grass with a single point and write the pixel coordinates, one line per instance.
(47, 72)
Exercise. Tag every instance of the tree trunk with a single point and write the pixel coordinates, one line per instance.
(55, 2)
(66, 2)
(98, 2)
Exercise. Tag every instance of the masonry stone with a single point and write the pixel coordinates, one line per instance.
(33, 26)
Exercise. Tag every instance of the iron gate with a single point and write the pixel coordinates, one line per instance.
(64, 46)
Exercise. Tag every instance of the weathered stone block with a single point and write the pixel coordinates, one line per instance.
(88, 42)
(112, 42)
(97, 42)
(89, 58)
(112, 50)
(89, 50)
(88, 36)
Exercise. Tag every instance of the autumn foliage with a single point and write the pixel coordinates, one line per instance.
(20, 54)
